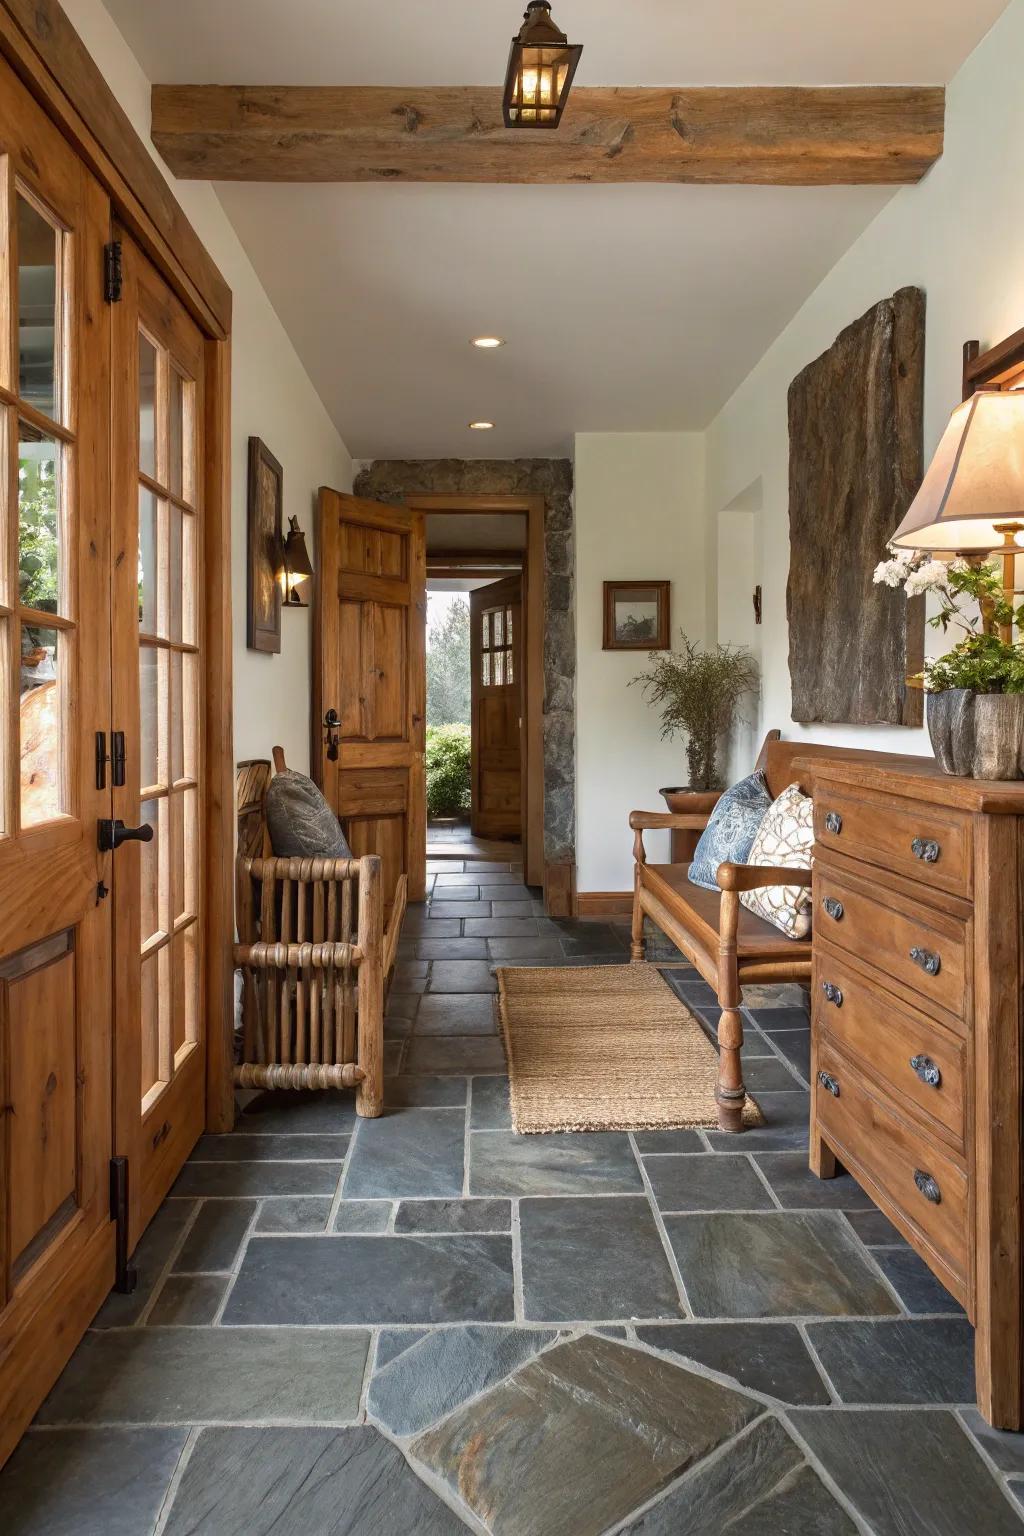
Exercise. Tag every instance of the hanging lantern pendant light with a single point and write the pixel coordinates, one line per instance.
(541, 66)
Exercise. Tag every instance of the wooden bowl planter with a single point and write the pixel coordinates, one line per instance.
(977, 735)
(683, 801)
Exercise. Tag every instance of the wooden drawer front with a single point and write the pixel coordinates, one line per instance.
(905, 1163)
(919, 1063)
(923, 842)
(899, 939)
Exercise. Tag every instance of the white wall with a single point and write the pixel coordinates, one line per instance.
(271, 397)
(639, 508)
(959, 235)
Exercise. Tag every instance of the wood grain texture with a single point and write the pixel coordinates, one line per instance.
(43, 47)
(856, 423)
(796, 136)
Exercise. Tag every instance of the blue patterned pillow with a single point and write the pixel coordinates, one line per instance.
(729, 835)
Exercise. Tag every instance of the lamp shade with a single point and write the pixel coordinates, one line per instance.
(297, 567)
(541, 65)
(974, 483)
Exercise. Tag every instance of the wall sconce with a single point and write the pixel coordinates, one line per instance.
(541, 67)
(296, 569)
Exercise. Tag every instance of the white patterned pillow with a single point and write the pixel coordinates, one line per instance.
(785, 837)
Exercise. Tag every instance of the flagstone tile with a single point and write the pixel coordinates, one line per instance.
(918, 1289)
(88, 1482)
(1006, 1449)
(578, 1437)
(908, 1473)
(445, 911)
(459, 1013)
(920, 1360)
(151, 1257)
(765, 1357)
(517, 908)
(564, 1163)
(785, 1129)
(454, 1216)
(708, 1182)
(194, 1375)
(775, 1264)
(514, 951)
(411, 1092)
(786, 997)
(299, 1113)
(407, 1152)
(188, 1300)
(462, 976)
(649, 1143)
(596, 1258)
(356, 1279)
(432, 1375)
(795, 1045)
(769, 1075)
(233, 1179)
(461, 893)
(759, 1486)
(295, 1482)
(502, 927)
(215, 1236)
(603, 941)
(797, 1188)
(874, 1229)
(240, 1148)
(490, 1105)
(294, 1213)
(362, 1216)
(455, 1054)
(421, 924)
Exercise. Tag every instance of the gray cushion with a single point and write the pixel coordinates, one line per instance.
(300, 822)
(729, 835)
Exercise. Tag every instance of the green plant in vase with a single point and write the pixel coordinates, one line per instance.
(698, 692)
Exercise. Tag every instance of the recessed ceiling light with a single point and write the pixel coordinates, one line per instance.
(487, 343)
(481, 426)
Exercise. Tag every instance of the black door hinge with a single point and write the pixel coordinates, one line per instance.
(101, 759)
(117, 758)
(125, 1274)
(113, 272)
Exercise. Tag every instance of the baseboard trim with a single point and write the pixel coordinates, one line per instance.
(603, 903)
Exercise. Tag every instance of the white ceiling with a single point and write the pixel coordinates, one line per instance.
(626, 308)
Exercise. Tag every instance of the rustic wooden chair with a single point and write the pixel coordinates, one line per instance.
(315, 959)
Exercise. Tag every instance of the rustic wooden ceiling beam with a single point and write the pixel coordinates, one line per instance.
(770, 135)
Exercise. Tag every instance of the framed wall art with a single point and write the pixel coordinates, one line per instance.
(636, 615)
(266, 499)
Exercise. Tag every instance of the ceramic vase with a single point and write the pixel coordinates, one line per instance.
(977, 735)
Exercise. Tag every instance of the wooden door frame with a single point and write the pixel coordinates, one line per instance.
(534, 862)
(38, 42)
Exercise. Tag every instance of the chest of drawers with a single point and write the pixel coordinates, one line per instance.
(916, 1028)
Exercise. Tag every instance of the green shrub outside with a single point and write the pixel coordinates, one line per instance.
(448, 770)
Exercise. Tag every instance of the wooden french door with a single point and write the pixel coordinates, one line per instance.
(158, 706)
(56, 1240)
(370, 681)
(496, 694)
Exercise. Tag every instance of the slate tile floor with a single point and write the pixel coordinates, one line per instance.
(428, 1324)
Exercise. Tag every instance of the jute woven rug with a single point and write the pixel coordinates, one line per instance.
(605, 1048)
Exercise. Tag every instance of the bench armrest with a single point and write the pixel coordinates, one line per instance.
(657, 821)
(750, 877)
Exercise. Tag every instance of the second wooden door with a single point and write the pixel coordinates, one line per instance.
(496, 696)
(370, 681)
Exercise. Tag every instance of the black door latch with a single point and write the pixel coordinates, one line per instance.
(113, 833)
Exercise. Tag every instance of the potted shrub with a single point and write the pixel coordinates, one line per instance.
(698, 692)
(975, 691)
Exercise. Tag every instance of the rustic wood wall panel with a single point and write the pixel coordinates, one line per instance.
(855, 461)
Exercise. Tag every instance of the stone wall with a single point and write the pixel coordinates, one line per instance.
(393, 480)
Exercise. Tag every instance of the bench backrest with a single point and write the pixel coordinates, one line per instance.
(779, 760)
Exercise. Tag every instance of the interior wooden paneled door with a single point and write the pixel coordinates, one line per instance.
(158, 705)
(370, 680)
(496, 651)
(56, 1240)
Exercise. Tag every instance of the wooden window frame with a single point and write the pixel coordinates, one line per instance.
(39, 43)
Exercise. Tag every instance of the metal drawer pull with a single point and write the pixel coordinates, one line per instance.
(833, 908)
(927, 960)
(834, 823)
(829, 1084)
(927, 1186)
(926, 1070)
(925, 849)
(833, 994)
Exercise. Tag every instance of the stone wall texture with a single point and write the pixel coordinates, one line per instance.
(392, 480)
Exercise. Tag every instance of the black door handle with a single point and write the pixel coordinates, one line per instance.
(113, 833)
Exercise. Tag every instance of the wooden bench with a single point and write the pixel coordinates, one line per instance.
(316, 946)
(729, 945)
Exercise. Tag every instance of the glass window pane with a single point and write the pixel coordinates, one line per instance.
(189, 625)
(190, 706)
(39, 554)
(149, 872)
(149, 716)
(509, 671)
(177, 725)
(147, 562)
(499, 628)
(176, 808)
(38, 346)
(190, 804)
(150, 1022)
(485, 631)
(486, 672)
(173, 629)
(508, 626)
(176, 431)
(499, 669)
(147, 407)
(41, 725)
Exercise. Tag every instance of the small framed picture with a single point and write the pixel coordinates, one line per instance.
(636, 616)
(266, 496)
